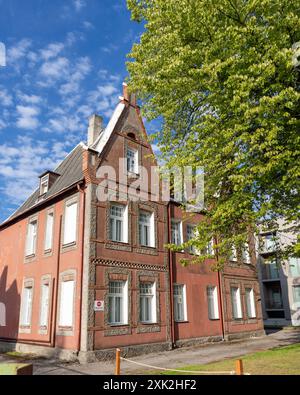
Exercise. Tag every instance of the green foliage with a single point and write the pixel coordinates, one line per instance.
(221, 75)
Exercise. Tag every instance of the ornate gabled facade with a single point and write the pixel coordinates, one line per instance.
(82, 275)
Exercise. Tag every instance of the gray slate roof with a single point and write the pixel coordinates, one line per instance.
(70, 171)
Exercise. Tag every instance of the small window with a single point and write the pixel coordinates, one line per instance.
(213, 306)
(190, 233)
(118, 303)
(236, 303)
(26, 308)
(44, 184)
(250, 303)
(31, 239)
(246, 254)
(146, 229)
(49, 231)
(233, 254)
(131, 135)
(294, 264)
(44, 308)
(70, 222)
(176, 232)
(180, 308)
(296, 294)
(147, 303)
(66, 311)
(132, 161)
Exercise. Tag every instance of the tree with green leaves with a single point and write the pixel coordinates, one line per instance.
(224, 77)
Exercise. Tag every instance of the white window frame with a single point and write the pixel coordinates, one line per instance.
(233, 254)
(123, 296)
(26, 304)
(124, 223)
(210, 247)
(176, 239)
(31, 237)
(66, 307)
(70, 226)
(295, 288)
(49, 231)
(236, 302)
(246, 253)
(250, 302)
(151, 297)
(190, 234)
(294, 266)
(151, 229)
(45, 303)
(182, 302)
(44, 184)
(212, 302)
(132, 167)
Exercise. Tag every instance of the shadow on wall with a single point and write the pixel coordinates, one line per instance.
(9, 308)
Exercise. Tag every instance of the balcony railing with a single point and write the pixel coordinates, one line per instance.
(270, 271)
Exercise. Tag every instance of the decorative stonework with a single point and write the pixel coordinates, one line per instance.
(129, 265)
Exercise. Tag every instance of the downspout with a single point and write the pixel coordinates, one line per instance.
(53, 343)
(221, 299)
(82, 255)
(171, 279)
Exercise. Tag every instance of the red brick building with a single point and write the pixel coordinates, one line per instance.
(81, 276)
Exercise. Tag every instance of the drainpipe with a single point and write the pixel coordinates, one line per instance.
(53, 343)
(82, 191)
(171, 279)
(221, 299)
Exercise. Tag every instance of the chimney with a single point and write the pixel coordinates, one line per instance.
(95, 128)
(129, 97)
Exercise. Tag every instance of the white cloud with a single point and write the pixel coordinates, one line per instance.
(51, 51)
(6, 98)
(81, 68)
(29, 99)
(55, 69)
(19, 51)
(27, 117)
(79, 4)
(2, 124)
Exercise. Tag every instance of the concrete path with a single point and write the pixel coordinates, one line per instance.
(170, 359)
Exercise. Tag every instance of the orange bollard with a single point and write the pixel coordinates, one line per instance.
(118, 362)
(239, 369)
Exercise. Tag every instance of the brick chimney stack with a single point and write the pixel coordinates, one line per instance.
(95, 128)
(129, 97)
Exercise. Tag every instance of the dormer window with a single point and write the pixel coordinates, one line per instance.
(44, 184)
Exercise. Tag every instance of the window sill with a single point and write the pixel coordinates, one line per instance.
(72, 244)
(30, 256)
(214, 319)
(119, 325)
(65, 328)
(148, 323)
(48, 252)
(181, 322)
(133, 174)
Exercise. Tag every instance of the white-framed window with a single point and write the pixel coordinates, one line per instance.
(250, 303)
(66, 309)
(26, 309)
(180, 308)
(213, 305)
(49, 231)
(118, 223)
(70, 222)
(190, 234)
(146, 229)
(176, 232)
(31, 239)
(118, 303)
(44, 184)
(233, 254)
(44, 308)
(269, 242)
(132, 161)
(246, 253)
(148, 302)
(294, 264)
(236, 303)
(296, 293)
(210, 247)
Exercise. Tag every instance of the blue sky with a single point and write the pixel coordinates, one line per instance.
(65, 60)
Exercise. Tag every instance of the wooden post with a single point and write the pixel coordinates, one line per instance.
(239, 370)
(118, 362)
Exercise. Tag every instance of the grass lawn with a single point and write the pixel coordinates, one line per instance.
(277, 361)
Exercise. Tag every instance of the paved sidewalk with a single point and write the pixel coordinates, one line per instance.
(170, 359)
